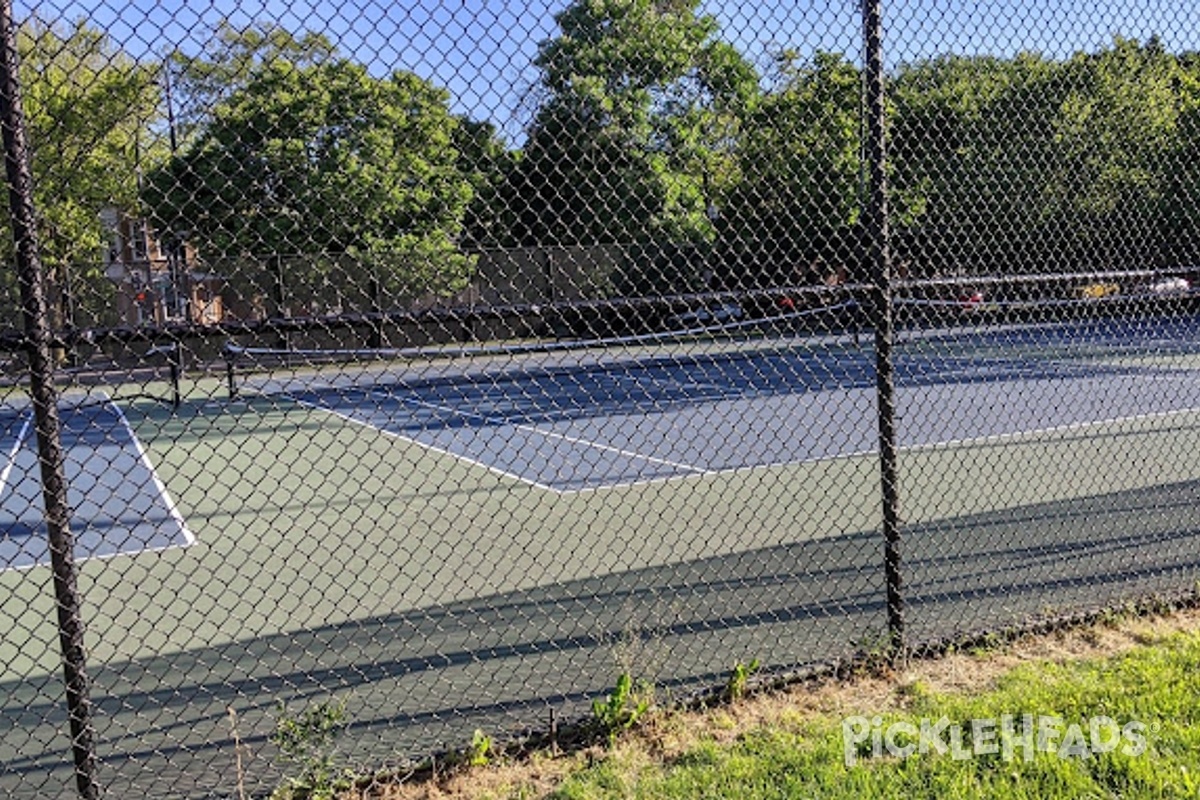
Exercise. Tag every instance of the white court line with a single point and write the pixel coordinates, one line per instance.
(552, 435)
(695, 473)
(995, 438)
(691, 469)
(164, 496)
(1069, 427)
(721, 391)
(439, 450)
(12, 455)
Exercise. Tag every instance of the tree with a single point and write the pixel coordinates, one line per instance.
(485, 161)
(1180, 219)
(632, 142)
(1027, 165)
(87, 107)
(972, 143)
(793, 215)
(231, 57)
(1113, 137)
(321, 161)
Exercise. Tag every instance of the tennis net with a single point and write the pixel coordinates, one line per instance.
(985, 330)
(715, 334)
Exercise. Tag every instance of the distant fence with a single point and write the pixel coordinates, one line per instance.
(423, 375)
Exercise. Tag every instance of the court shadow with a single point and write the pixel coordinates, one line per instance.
(426, 676)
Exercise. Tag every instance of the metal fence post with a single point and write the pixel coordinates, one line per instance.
(880, 259)
(45, 407)
(279, 297)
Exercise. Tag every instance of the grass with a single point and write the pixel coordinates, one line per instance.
(1139, 673)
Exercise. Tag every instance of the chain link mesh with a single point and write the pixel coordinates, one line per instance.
(436, 364)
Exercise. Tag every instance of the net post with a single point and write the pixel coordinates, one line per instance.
(175, 364)
(229, 352)
(173, 354)
(875, 153)
(375, 330)
(51, 457)
(279, 296)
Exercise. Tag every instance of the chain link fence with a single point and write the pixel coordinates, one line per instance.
(418, 369)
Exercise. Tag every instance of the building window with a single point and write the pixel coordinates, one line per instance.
(139, 241)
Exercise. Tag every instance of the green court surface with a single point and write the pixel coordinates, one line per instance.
(435, 594)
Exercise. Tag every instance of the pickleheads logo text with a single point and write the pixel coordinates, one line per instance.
(1009, 736)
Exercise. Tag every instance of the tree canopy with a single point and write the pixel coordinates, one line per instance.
(648, 132)
(325, 159)
(89, 111)
(635, 128)
(793, 214)
(229, 60)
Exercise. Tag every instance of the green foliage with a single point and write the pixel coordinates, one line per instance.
(1034, 165)
(621, 709)
(231, 56)
(306, 741)
(649, 132)
(326, 159)
(1153, 686)
(739, 679)
(90, 111)
(793, 214)
(410, 265)
(479, 754)
(633, 139)
(484, 160)
(873, 653)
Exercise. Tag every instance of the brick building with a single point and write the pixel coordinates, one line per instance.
(156, 283)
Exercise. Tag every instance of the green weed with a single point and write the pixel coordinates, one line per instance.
(621, 709)
(307, 742)
(479, 754)
(739, 680)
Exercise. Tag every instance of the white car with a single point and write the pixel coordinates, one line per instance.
(1167, 286)
(726, 312)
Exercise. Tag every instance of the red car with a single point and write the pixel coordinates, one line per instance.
(970, 301)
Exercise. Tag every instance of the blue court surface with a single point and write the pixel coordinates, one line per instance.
(625, 422)
(118, 503)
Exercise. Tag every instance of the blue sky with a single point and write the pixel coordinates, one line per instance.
(481, 50)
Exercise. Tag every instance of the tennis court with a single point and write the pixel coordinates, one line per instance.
(630, 419)
(120, 505)
(455, 545)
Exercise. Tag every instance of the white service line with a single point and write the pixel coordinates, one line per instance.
(164, 496)
(552, 435)
(439, 450)
(722, 394)
(1066, 427)
(12, 454)
(693, 472)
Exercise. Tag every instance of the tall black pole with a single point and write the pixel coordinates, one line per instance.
(881, 268)
(279, 295)
(45, 409)
(176, 243)
(170, 104)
